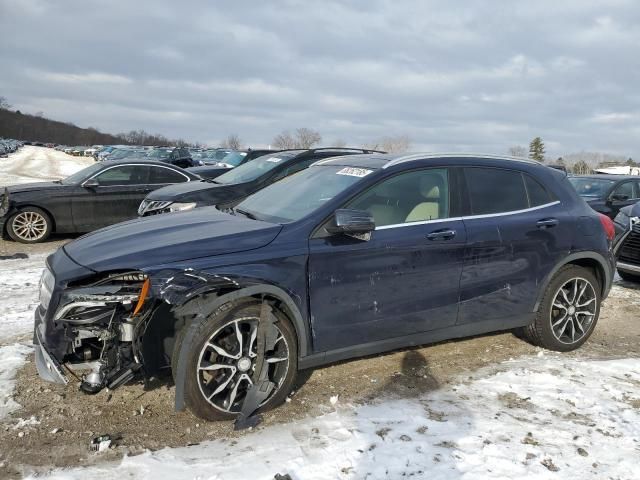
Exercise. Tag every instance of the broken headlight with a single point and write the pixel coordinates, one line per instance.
(47, 283)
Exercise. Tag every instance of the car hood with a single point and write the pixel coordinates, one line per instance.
(29, 187)
(169, 238)
(190, 191)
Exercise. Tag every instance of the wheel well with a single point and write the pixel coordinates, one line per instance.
(593, 265)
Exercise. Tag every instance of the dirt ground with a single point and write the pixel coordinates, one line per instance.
(142, 416)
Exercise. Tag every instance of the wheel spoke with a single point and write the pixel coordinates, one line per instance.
(588, 302)
(221, 351)
(216, 366)
(564, 296)
(584, 312)
(276, 359)
(252, 341)
(221, 387)
(559, 305)
(559, 321)
(234, 391)
(575, 291)
(239, 337)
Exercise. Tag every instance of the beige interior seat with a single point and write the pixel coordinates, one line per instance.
(429, 209)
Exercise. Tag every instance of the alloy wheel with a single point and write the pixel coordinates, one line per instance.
(29, 226)
(227, 361)
(573, 310)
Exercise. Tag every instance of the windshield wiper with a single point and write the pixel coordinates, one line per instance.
(245, 213)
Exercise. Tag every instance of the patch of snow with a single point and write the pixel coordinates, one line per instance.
(531, 418)
(37, 164)
(11, 358)
(22, 422)
(19, 281)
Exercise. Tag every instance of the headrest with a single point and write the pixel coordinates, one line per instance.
(430, 186)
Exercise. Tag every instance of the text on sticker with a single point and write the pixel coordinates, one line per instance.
(354, 172)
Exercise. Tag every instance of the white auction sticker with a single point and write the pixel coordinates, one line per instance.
(354, 172)
(274, 160)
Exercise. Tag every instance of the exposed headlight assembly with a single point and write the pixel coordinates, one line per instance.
(181, 207)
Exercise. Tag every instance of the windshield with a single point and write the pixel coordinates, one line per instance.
(82, 175)
(234, 158)
(255, 168)
(591, 187)
(296, 196)
(159, 153)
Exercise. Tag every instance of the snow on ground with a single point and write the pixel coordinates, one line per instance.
(527, 418)
(18, 299)
(36, 164)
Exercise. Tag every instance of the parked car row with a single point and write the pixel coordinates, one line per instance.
(339, 253)
(8, 145)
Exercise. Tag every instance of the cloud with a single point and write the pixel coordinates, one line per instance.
(477, 76)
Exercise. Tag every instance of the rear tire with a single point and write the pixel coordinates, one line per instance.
(568, 312)
(210, 366)
(30, 225)
(629, 277)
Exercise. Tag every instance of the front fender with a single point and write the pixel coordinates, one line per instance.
(190, 293)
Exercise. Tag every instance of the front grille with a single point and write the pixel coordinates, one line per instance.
(153, 207)
(630, 250)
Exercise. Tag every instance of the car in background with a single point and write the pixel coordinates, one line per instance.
(353, 256)
(126, 153)
(209, 156)
(627, 242)
(236, 184)
(607, 194)
(229, 161)
(179, 156)
(97, 196)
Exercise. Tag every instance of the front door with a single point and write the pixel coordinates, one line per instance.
(116, 198)
(403, 280)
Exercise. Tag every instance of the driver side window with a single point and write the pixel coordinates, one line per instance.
(125, 175)
(624, 190)
(415, 196)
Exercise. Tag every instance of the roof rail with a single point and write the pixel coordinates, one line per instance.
(421, 156)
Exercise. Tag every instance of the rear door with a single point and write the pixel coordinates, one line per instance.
(516, 234)
(402, 281)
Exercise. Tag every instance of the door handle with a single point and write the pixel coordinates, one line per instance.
(547, 223)
(441, 235)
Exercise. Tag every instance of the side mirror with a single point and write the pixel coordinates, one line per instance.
(618, 197)
(90, 183)
(351, 222)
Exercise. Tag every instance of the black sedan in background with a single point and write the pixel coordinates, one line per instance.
(626, 245)
(607, 194)
(97, 196)
(232, 187)
(229, 161)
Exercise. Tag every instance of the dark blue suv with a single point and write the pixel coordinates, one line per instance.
(353, 256)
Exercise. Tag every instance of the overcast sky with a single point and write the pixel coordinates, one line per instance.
(455, 76)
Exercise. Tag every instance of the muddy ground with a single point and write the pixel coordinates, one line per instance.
(142, 416)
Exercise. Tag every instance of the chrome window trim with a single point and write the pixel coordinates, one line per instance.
(425, 156)
(136, 165)
(469, 217)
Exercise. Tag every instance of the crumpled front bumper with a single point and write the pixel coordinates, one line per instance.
(48, 368)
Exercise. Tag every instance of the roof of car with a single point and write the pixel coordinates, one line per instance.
(141, 160)
(608, 176)
(387, 160)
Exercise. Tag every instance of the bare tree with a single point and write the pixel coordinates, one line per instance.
(307, 138)
(393, 144)
(284, 140)
(4, 104)
(302, 138)
(232, 141)
(518, 151)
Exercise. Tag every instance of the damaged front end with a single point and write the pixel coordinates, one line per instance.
(95, 330)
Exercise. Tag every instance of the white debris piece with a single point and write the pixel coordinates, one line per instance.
(334, 399)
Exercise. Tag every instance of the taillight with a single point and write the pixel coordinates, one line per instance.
(609, 228)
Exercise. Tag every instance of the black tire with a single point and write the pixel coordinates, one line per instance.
(216, 322)
(629, 277)
(542, 333)
(42, 225)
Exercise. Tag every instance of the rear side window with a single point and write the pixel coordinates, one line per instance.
(537, 193)
(494, 190)
(160, 175)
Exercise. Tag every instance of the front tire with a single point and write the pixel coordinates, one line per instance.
(221, 361)
(29, 225)
(568, 312)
